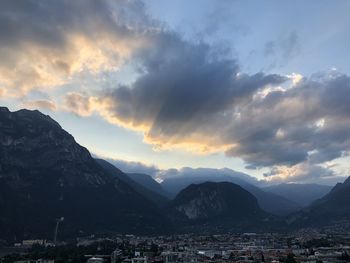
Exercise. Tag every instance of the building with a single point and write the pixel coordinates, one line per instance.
(95, 260)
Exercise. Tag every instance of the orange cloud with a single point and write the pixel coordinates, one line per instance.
(67, 38)
(40, 104)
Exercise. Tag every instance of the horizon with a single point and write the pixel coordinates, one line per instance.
(160, 175)
(157, 86)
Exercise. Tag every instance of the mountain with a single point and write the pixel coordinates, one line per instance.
(271, 203)
(46, 175)
(208, 201)
(301, 194)
(156, 198)
(220, 205)
(148, 182)
(174, 183)
(331, 208)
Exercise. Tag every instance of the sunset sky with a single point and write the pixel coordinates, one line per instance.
(260, 87)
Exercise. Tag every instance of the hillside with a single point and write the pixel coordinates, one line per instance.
(330, 209)
(270, 202)
(156, 198)
(220, 206)
(46, 175)
(301, 194)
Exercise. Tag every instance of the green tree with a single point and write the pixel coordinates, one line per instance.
(290, 258)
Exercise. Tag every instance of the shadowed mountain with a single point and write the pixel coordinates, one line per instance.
(302, 194)
(148, 182)
(45, 175)
(219, 205)
(271, 203)
(156, 198)
(331, 208)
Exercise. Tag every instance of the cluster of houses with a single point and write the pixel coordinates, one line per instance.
(247, 247)
(303, 246)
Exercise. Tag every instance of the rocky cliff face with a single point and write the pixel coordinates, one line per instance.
(224, 205)
(211, 200)
(32, 142)
(45, 175)
(269, 202)
(205, 205)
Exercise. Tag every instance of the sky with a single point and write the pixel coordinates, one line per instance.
(259, 87)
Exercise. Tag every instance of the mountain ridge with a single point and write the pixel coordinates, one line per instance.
(302, 194)
(156, 198)
(329, 209)
(219, 206)
(46, 175)
(148, 182)
(269, 202)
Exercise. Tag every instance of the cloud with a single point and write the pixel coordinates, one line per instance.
(188, 95)
(40, 104)
(44, 44)
(221, 18)
(303, 173)
(186, 92)
(282, 50)
(80, 104)
(161, 174)
(297, 172)
(192, 96)
(300, 173)
(214, 174)
(306, 122)
(299, 126)
(134, 167)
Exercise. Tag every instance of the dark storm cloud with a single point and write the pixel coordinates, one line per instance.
(184, 86)
(307, 122)
(186, 94)
(189, 94)
(207, 104)
(48, 22)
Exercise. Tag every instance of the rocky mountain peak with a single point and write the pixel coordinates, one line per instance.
(211, 200)
(45, 174)
(30, 140)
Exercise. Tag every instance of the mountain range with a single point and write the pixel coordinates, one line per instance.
(330, 209)
(301, 194)
(218, 207)
(269, 202)
(45, 176)
(143, 187)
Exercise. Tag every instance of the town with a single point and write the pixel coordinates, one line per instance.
(307, 245)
